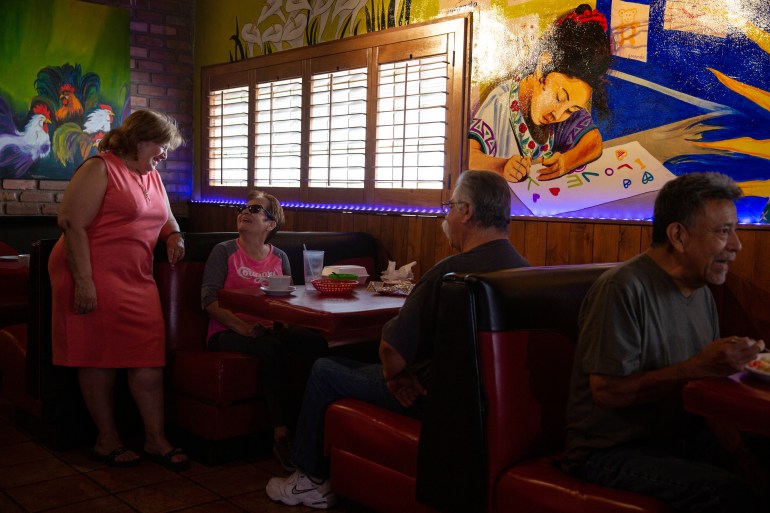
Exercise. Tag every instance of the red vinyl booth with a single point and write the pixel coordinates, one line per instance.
(217, 397)
(494, 420)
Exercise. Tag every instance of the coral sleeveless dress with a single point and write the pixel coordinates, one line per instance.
(126, 329)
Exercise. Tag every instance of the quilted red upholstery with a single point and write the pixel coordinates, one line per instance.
(538, 486)
(526, 377)
(218, 396)
(373, 455)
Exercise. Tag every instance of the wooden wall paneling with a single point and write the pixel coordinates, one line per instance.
(535, 242)
(427, 252)
(359, 222)
(211, 218)
(400, 235)
(517, 234)
(288, 221)
(630, 243)
(294, 218)
(581, 243)
(333, 221)
(386, 237)
(347, 222)
(606, 242)
(319, 221)
(374, 225)
(557, 243)
(413, 241)
(645, 237)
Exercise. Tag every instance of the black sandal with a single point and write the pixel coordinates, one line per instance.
(112, 460)
(167, 460)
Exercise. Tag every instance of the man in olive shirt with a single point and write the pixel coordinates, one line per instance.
(646, 327)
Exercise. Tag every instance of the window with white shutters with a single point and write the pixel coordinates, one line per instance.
(375, 120)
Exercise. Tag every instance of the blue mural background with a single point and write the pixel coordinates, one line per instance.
(680, 61)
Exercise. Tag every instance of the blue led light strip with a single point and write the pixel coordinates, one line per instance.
(421, 211)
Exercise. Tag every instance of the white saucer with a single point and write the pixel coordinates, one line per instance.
(9, 258)
(269, 292)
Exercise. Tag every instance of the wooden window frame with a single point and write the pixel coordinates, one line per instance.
(452, 34)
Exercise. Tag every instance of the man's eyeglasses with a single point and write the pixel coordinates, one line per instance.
(446, 207)
(254, 209)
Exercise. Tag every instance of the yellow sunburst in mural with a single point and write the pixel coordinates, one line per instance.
(746, 145)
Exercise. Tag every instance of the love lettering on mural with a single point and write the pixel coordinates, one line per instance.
(620, 173)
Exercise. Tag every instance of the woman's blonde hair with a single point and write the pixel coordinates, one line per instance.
(146, 125)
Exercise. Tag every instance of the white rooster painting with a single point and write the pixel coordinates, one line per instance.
(20, 149)
(65, 123)
(64, 84)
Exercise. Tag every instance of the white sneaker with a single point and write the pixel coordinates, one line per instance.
(299, 489)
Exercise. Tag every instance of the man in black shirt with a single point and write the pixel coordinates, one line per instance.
(476, 224)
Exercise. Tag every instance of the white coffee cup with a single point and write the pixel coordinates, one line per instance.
(278, 282)
(24, 260)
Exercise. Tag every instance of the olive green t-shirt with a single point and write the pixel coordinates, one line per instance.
(633, 319)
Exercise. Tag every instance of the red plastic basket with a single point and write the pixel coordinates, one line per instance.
(331, 286)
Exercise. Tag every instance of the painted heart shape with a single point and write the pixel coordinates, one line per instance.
(554, 190)
(535, 197)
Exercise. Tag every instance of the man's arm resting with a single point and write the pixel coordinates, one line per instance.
(392, 361)
(400, 380)
(720, 358)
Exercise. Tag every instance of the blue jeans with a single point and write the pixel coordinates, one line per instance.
(687, 480)
(332, 379)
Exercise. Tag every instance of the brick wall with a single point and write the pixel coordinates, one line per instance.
(161, 53)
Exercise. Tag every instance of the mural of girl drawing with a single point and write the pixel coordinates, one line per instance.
(542, 114)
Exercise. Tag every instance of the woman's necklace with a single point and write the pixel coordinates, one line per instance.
(138, 178)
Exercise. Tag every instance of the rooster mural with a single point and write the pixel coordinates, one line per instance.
(19, 150)
(72, 143)
(67, 91)
(68, 119)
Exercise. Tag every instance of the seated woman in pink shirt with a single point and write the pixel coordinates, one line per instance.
(246, 262)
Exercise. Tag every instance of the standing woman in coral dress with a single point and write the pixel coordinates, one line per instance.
(106, 307)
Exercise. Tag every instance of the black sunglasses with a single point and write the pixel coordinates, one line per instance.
(254, 209)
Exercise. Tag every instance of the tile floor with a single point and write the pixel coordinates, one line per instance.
(35, 478)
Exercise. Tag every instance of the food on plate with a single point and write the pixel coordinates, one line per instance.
(760, 364)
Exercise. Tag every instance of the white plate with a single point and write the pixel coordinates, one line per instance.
(762, 374)
(269, 292)
(10, 258)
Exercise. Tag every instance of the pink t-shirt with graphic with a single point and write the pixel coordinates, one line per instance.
(230, 267)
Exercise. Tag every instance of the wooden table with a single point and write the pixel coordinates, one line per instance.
(741, 400)
(343, 319)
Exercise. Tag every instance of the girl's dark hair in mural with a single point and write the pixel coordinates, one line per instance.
(142, 125)
(579, 47)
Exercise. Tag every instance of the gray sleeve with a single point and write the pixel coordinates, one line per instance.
(285, 265)
(214, 274)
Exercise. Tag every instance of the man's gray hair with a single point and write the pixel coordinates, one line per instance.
(490, 196)
(681, 200)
